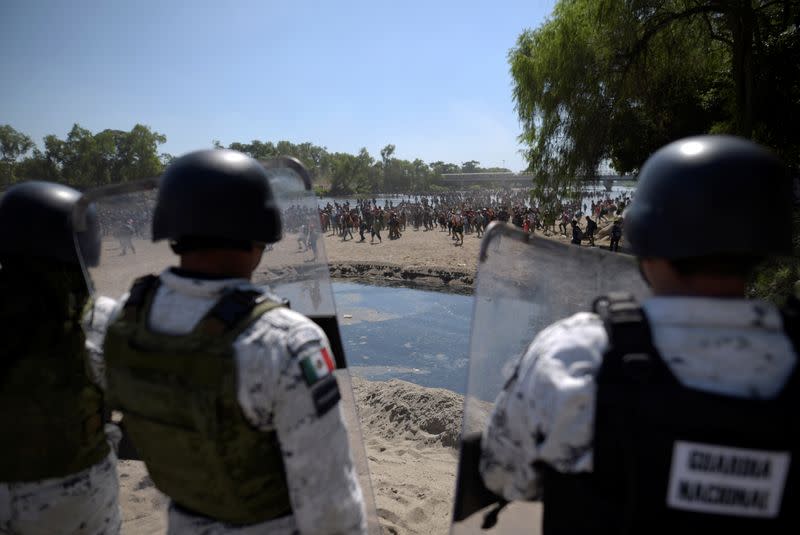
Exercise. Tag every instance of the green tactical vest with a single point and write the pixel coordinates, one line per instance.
(178, 397)
(50, 412)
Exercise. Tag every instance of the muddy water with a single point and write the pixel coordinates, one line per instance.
(402, 333)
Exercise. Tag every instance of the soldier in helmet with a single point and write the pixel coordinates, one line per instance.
(58, 470)
(228, 395)
(676, 415)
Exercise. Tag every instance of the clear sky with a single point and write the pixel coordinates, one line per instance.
(430, 77)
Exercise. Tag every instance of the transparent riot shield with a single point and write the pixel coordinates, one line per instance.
(124, 214)
(524, 283)
(296, 268)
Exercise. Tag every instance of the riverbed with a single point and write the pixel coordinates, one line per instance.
(403, 333)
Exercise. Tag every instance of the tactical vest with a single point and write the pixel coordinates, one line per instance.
(674, 460)
(179, 400)
(50, 412)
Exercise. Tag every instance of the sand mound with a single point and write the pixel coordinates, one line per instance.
(411, 435)
(399, 409)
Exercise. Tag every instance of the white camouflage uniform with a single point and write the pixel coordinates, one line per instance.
(85, 503)
(733, 347)
(322, 481)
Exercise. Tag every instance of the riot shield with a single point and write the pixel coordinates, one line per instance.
(124, 214)
(296, 268)
(524, 283)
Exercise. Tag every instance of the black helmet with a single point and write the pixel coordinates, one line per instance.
(216, 194)
(36, 221)
(688, 189)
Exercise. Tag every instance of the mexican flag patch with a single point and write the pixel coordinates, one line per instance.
(317, 366)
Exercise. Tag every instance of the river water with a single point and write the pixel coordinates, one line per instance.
(401, 333)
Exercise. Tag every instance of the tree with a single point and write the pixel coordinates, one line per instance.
(137, 153)
(472, 166)
(351, 173)
(86, 160)
(422, 175)
(611, 81)
(366, 176)
(314, 157)
(760, 62)
(391, 178)
(13, 145)
(386, 153)
(440, 168)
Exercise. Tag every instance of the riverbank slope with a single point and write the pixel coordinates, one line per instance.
(427, 259)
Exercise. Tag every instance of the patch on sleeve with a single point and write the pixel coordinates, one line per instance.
(317, 366)
(325, 394)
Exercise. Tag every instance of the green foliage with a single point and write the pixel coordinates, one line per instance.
(611, 81)
(13, 145)
(85, 160)
(471, 166)
(359, 173)
(441, 168)
(352, 174)
(777, 278)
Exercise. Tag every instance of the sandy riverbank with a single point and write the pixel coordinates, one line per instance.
(420, 258)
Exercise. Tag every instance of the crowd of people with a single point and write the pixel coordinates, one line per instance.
(460, 213)
(126, 218)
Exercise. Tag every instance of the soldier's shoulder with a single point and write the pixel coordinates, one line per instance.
(578, 338)
(284, 326)
(105, 305)
(283, 317)
(103, 309)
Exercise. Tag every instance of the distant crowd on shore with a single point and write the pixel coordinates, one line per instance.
(460, 213)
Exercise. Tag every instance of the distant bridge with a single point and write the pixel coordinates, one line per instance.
(462, 179)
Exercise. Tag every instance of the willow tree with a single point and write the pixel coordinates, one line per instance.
(613, 80)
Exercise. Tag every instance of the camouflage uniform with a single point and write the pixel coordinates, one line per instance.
(546, 410)
(81, 503)
(273, 396)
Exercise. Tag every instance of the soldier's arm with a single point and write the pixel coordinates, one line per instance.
(326, 496)
(545, 413)
(277, 393)
(95, 323)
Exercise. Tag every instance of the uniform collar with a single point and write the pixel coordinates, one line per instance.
(201, 287)
(713, 312)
